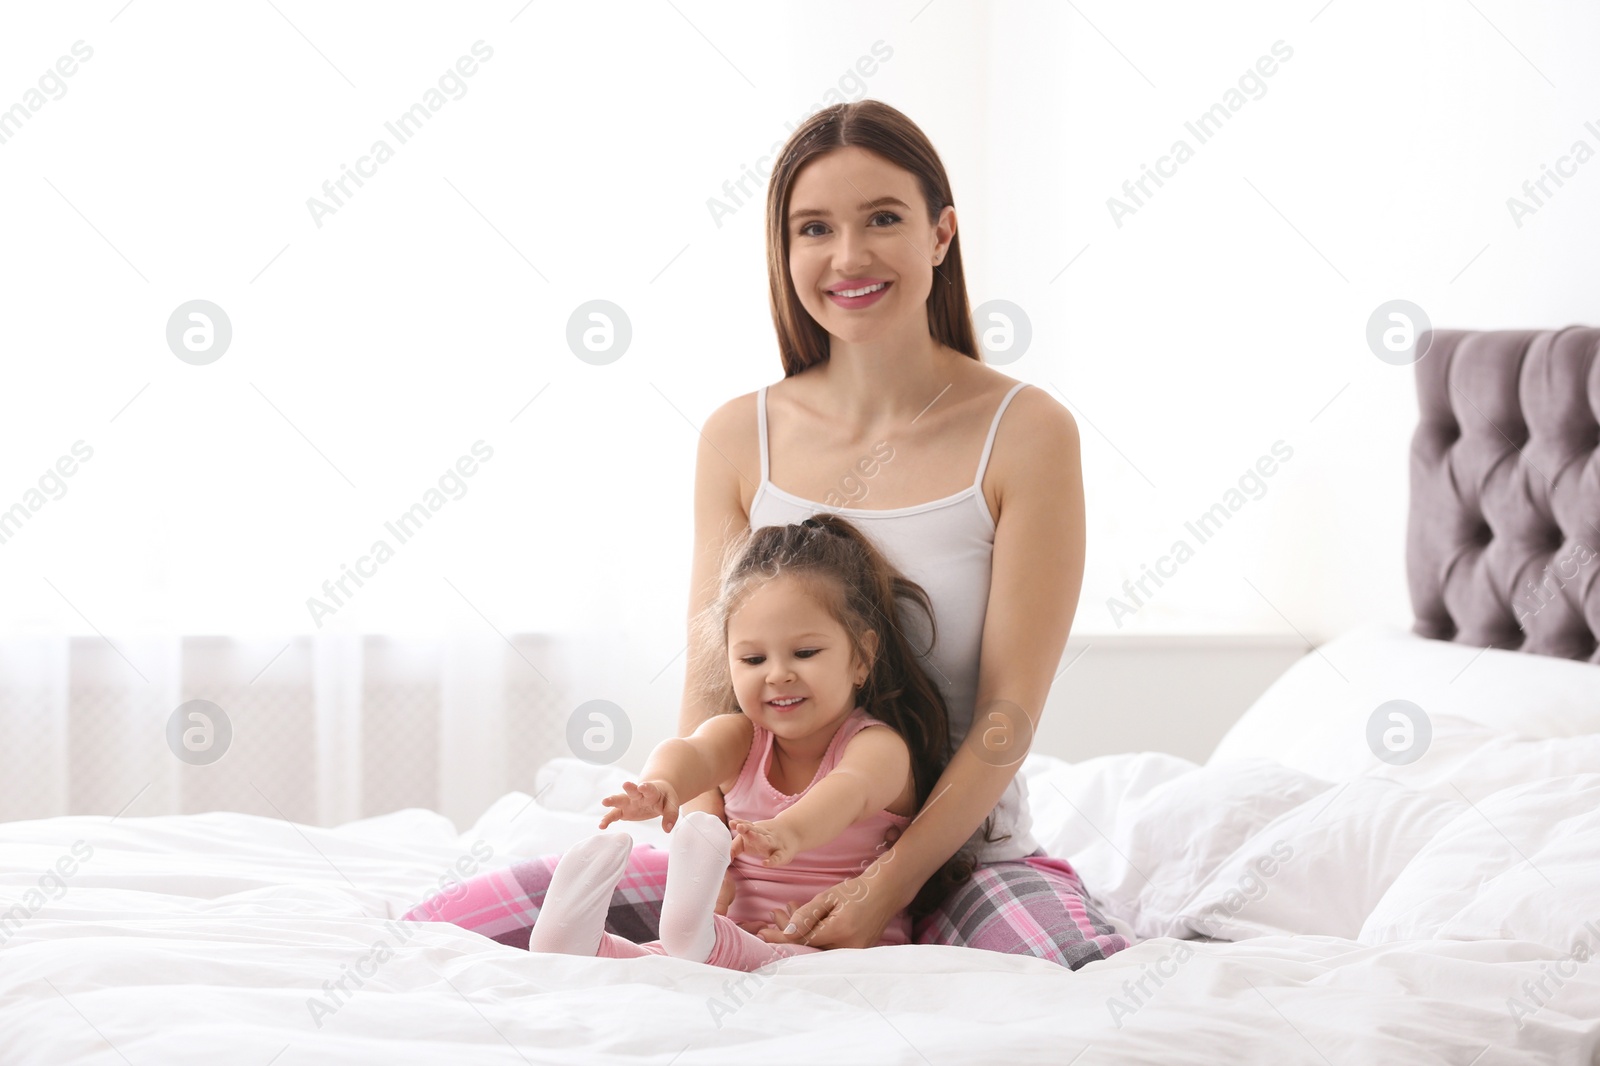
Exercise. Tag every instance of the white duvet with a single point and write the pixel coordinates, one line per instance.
(1442, 912)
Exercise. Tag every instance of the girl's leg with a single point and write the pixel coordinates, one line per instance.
(573, 919)
(1035, 905)
(504, 904)
(735, 949)
(614, 947)
(698, 857)
(690, 927)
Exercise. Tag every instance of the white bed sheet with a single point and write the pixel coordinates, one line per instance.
(1405, 917)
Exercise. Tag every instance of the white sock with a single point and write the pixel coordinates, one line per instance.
(697, 858)
(574, 913)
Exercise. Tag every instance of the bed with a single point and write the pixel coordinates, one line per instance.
(1390, 858)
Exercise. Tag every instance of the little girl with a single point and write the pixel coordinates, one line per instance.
(812, 656)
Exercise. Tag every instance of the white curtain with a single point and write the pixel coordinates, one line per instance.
(324, 729)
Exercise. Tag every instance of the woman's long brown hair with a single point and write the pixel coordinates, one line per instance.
(858, 586)
(879, 128)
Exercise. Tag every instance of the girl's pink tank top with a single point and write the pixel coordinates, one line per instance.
(760, 889)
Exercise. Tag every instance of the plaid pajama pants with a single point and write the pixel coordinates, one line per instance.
(1035, 905)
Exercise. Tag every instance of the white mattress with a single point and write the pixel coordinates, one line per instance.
(1379, 914)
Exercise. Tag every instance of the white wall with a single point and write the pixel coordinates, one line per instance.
(369, 353)
(1205, 328)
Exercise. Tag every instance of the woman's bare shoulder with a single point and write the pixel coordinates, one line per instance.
(1033, 406)
(727, 420)
(1037, 433)
(1036, 410)
(735, 421)
(732, 447)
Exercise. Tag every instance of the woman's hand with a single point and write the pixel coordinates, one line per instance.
(766, 839)
(851, 914)
(637, 803)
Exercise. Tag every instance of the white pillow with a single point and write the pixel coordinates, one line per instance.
(1170, 840)
(1468, 761)
(1519, 865)
(1314, 717)
(1319, 868)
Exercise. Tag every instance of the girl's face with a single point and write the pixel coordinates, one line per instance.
(856, 219)
(783, 644)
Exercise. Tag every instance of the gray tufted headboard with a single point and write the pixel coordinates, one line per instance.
(1503, 534)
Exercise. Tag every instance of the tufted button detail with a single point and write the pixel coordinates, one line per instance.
(1529, 396)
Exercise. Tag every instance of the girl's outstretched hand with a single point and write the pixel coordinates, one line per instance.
(765, 840)
(640, 802)
(725, 897)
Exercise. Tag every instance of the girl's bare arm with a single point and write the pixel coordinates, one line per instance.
(696, 763)
(871, 773)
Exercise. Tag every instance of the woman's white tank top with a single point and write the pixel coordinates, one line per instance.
(946, 547)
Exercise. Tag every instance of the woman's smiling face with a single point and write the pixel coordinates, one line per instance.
(856, 219)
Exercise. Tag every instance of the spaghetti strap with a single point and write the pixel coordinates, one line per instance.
(761, 426)
(988, 445)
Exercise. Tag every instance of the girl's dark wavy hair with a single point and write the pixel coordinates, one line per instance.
(858, 586)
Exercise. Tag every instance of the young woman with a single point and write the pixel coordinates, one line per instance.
(886, 403)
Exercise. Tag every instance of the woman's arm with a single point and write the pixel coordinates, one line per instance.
(1033, 594)
(718, 516)
(871, 772)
